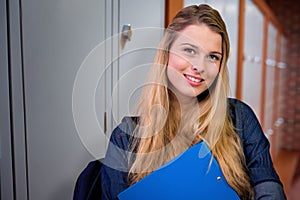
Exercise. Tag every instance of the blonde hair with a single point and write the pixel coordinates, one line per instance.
(161, 135)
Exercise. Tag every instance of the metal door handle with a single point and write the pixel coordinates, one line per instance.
(126, 32)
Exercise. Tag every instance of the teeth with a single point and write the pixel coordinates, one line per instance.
(193, 79)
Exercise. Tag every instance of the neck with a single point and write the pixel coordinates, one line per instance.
(184, 106)
(187, 106)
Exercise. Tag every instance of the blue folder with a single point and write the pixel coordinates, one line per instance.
(194, 174)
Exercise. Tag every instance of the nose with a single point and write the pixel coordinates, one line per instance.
(197, 69)
(198, 65)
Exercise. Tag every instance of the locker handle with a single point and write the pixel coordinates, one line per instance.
(126, 34)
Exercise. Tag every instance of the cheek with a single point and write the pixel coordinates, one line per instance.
(173, 75)
(213, 72)
(178, 63)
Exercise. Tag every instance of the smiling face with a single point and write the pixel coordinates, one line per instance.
(194, 61)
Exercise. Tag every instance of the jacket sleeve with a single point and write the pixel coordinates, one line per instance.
(256, 149)
(114, 171)
(269, 190)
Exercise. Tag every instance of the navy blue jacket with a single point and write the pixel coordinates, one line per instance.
(264, 179)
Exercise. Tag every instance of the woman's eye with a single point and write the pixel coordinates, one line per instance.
(190, 51)
(213, 58)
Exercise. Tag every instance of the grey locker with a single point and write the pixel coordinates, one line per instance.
(61, 63)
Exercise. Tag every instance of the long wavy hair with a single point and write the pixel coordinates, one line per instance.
(163, 131)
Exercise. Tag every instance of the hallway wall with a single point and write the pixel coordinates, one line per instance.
(288, 15)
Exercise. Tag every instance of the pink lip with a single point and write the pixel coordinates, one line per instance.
(193, 83)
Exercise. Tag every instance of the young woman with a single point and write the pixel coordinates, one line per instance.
(184, 102)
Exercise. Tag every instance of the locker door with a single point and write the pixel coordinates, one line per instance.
(280, 123)
(59, 86)
(6, 170)
(270, 75)
(193, 2)
(146, 19)
(253, 57)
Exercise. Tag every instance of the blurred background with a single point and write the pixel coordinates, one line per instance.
(71, 69)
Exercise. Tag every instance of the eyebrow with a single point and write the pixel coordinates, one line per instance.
(216, 52)
(196, 47)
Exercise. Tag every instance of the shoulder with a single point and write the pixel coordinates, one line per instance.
(246, 123)
(242, 114)
(118, 149)
(239, 106)
(123, 132)
(119, 144)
